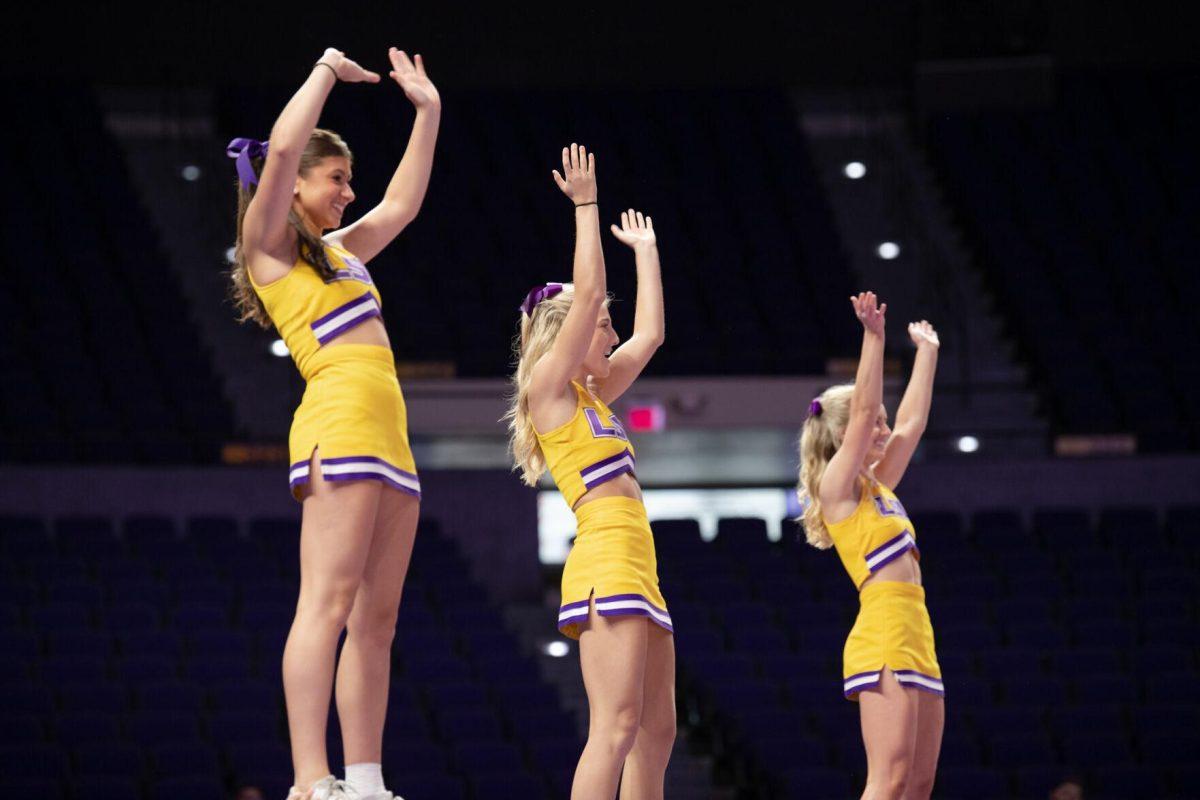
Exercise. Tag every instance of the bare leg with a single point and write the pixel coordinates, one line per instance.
(646, 764)
(365, 667)
(335, 536)
(612, 652)
(889, 724)
(931, 719)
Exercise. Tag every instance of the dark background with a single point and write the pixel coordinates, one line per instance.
(850, 42)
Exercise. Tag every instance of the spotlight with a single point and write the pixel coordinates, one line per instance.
(888, 250)
(191, 173)
(278, 348)
(967, 444)
(230, 254)
(855, 170)
(557, 649)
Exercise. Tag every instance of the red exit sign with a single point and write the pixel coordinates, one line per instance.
(646, 417)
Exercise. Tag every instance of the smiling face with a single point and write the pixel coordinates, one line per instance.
(880, 434)
(323, 192)
(604, 339)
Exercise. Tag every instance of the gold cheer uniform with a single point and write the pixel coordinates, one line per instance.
(352, 409)
(613, 559)
(893, 628)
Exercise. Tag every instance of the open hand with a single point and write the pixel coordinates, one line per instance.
(923, 334)
(868, 312)
(347, 70)
(410, 74)
(636, 230)
(578, 178)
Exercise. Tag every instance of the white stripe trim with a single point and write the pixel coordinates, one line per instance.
(572, 613)
(861, 680)
(903, 544)
(297, 473)
(372, 467)
(921, 680)
(590, 475)
(366, 305)
(625, 605)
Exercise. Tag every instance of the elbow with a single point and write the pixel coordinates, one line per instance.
(591, 297)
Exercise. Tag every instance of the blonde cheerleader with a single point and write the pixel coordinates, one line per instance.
(567, 375)
(850, 464)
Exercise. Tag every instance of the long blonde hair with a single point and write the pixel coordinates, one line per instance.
(321, 145)
(820, 438)
(535, 338)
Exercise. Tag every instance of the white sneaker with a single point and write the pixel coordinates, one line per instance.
(328, 788)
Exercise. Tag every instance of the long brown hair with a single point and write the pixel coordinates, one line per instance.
(321, 145)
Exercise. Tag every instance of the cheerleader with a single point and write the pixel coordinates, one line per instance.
(850, 464)
(298, 269)
(568, 374)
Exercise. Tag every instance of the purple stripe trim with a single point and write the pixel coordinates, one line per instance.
(350, 323)
(373, 476)
(637, 612)
(344, 307)
(373, 460)
(576, 604)
(581, 606)
(604, 462)
(887, 544)
(856, 689)
(893, 557)
(592, 484)
(358, 476)
(902, 673)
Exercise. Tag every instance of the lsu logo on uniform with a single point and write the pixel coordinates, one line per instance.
(602, 431)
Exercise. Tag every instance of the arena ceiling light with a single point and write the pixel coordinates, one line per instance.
(230, 254)
(854, 170)
(967, 444)
(888, 250)
(278, 348)
(557, 649)
(190, 173)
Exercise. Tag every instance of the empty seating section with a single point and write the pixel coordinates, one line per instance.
(1084, 217)
(99, 358)
(747, 241)
(143, 661)
(1068, 646)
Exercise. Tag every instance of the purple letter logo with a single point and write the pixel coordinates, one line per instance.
(889, 508)
(602, 431)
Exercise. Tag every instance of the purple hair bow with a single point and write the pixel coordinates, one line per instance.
(244, 150)
(814, 408)
(539, 294)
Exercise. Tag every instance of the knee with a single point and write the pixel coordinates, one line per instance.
(328, 607)
(897, 782)
(660, 730)
(621, 731)
(373, 627)
(919, 786)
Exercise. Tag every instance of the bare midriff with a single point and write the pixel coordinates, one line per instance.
(905, 569)
(621, 486)
(370, 331)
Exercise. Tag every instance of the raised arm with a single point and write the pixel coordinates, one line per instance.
(265, 228)
(913, 413)
(402, 200)
(649, 321)
(840, 483)
(554, 371)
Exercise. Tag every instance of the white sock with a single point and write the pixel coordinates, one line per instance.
(365, 779)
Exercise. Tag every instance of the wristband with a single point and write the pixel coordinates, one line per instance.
(331, 69)
(581, 205)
